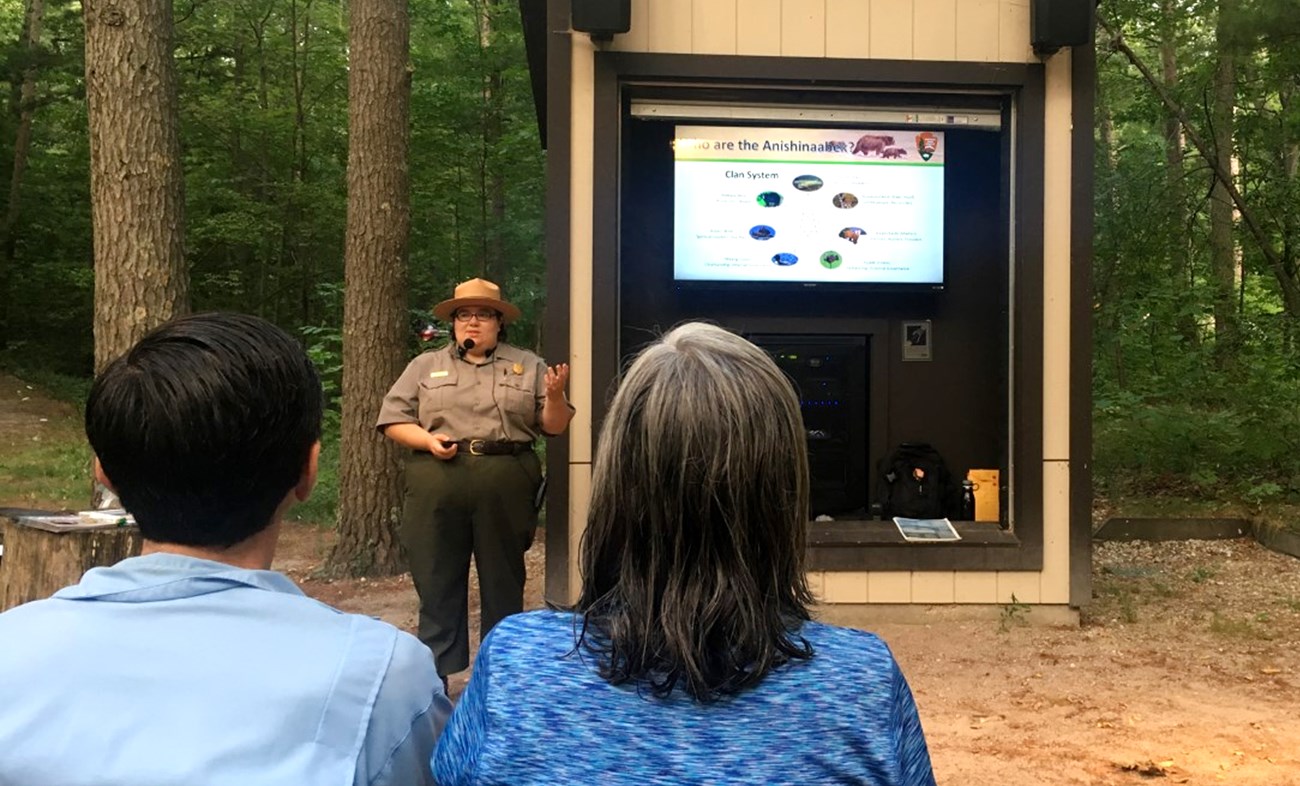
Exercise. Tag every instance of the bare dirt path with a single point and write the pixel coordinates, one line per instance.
(27, 414)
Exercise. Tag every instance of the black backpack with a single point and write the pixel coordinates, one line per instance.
(914, 483)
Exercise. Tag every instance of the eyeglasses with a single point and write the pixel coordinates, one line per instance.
(481, 316)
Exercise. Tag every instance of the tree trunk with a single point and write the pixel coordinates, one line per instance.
(23, 110)
(1180, 250)
(1291, 222)
(38, 563)
(136, 186)
(1223, 257)
(492, 186)
(374, 303)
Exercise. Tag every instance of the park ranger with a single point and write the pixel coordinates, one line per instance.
(470, 413)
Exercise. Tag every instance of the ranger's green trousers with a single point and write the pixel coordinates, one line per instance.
(479, 505)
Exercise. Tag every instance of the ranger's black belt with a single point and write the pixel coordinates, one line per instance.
(487, 447)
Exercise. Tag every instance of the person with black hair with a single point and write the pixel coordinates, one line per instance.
(470, 413)
(690, 655)
(194, 662)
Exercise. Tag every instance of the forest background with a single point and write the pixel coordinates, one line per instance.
(1196, 289)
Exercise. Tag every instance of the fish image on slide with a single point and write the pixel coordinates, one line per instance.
(784, 259)
(762, 232)
(769, 199)
(807, 182)
(844, 200)
(851, 234)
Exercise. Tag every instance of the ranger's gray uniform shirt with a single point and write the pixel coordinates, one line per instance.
(500, 400)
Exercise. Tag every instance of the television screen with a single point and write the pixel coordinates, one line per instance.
(811, 206)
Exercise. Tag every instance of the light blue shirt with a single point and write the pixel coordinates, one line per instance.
(173, 671)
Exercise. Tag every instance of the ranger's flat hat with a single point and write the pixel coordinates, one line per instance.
(477, 292)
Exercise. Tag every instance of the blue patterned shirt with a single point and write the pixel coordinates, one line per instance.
(537, 712)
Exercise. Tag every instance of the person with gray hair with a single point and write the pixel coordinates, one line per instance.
(690, 655)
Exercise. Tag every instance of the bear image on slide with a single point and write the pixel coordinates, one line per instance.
(872, 143)
(894, 152)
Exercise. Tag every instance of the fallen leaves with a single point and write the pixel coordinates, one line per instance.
(1156, 769)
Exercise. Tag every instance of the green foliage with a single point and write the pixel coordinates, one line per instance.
(1231, 628)
(263, 101)
(1013, 614)
(263, 121)
(325, 348)
(1186, 405)
(321, 507)
(1127, 607)
(50, 280)
(469, 150)
(1162, 590)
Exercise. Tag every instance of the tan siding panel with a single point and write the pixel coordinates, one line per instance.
(1055, 582)
(637, 38)
(845, 587)
(970, 586)
(934, 29)
(1056, 259)
(933, 587)
(758, 27)
(803, 28)
(891, 29)
(1024, 585)
(579, 499)
(582, 130)
(848, 28)
(890, 587)
(713, 28)
(670, 26)
(817, 584)
(1013, 35)
(977, 30)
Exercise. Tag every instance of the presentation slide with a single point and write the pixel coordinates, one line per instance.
(808, 205)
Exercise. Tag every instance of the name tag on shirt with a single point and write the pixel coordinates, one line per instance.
(435, 374)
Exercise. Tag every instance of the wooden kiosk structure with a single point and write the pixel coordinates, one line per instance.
(987, 359)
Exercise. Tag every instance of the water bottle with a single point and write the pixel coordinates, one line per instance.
(967, 500)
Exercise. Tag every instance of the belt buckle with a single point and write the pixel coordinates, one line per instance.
(476, 447)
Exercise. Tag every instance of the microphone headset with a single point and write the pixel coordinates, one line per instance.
(464, 347)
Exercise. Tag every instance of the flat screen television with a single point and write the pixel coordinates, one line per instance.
(808, 206)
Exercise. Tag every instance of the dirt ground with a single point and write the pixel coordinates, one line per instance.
(1186, 668)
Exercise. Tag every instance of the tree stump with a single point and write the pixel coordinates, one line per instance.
(40, 559)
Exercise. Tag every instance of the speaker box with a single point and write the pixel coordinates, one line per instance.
(1057, 23)
(601, 18)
